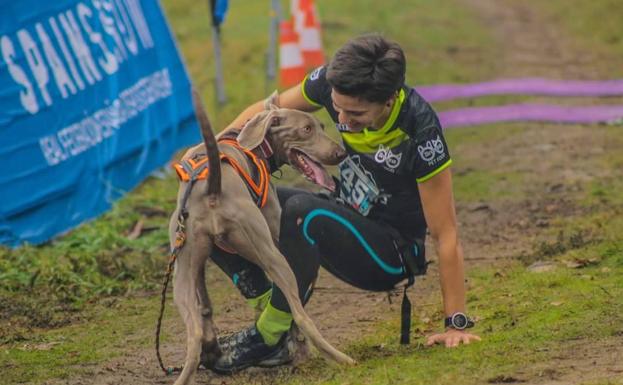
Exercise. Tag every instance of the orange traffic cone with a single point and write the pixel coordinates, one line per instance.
(297, 8)
(291, 65)
(310, 40)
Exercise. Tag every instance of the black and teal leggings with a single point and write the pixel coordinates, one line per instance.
(318, 231)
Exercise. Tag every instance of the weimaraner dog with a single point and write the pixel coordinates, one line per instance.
(222, 213)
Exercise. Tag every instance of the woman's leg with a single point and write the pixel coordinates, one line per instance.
(317, 231)
(248, 277)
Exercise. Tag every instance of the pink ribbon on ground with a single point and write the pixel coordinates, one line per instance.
(609, 114)
(523, 86)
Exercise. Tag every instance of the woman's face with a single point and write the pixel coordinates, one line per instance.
(358, 113)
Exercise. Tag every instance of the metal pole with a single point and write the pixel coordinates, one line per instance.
(275, 18)
(220, 82)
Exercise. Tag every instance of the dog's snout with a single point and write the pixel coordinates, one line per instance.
(340, 154)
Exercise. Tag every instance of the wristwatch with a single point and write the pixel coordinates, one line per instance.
(458, 321)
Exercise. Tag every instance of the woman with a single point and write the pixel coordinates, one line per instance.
(394, 185)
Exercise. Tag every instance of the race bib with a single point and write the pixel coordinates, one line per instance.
(357, 188)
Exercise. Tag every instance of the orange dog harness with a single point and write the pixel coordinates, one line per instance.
(196, 168)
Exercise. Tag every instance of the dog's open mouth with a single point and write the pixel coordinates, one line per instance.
(311, 170)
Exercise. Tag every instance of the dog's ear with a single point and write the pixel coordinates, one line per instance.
(254, 131)
(272, 102)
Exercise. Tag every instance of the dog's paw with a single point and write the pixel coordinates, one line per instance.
(210, 352)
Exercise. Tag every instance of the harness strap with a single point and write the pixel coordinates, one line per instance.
(264, 150)
(259, 190)
(195, 168)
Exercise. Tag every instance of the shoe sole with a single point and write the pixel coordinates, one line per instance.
(264, 363)
(273, 362)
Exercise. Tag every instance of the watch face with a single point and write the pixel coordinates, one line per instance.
(459, 321)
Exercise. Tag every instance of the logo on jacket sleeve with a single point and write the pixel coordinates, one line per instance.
(314, 75)
(386, 156)
(432, 151)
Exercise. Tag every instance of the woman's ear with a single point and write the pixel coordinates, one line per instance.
(254, 131)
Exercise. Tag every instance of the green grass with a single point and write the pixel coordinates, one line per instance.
(594, 24)
(71, 304)
(63, 352)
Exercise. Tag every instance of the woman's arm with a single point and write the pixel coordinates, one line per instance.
(291, 98)
(438, 205)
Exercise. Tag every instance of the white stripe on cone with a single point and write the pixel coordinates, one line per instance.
(290, 56)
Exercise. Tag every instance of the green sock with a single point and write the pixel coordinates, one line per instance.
(273, 323)
(259, 303)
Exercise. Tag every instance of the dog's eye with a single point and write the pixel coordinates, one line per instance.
(307, 129)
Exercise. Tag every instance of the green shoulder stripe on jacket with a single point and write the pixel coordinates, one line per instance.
(437, 171)
(309, 100)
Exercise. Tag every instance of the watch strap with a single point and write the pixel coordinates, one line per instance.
(448, 322)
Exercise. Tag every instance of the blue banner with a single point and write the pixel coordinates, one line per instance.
(93, 98)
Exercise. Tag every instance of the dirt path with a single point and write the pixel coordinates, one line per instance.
(490, 231)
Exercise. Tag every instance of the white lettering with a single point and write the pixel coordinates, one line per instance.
(109, 61)
(92, 130)
(125, 28)
(68, 58)
(36, 64)
(105, 9)
(80, 48)
(63, 82)
(27, 95)
(136, 13)
(52, 150)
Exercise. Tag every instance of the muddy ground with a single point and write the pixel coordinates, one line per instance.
(490, 232)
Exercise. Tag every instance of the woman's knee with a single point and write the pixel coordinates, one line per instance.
(296, 208)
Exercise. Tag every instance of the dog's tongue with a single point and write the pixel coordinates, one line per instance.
(320, 176)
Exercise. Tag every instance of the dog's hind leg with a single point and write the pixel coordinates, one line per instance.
(210, 350)
(252, 239)
(191, 297)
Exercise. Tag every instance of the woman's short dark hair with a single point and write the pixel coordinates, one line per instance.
(369, 67)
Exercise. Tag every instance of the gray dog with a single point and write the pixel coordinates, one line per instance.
(222, 213)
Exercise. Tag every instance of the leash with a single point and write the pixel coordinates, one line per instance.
(180, 239)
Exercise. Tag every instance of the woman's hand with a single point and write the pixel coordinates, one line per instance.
(452, 338)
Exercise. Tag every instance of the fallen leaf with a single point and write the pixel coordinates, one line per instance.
(137, 230)
(542, 266)
(578, 263)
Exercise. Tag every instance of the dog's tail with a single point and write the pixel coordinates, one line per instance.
(214, 162)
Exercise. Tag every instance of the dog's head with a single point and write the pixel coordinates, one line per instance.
(297, 138)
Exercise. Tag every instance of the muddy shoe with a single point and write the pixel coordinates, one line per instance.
(224, 342)
(247, 348)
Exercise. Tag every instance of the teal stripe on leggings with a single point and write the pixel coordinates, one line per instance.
(357, 234)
